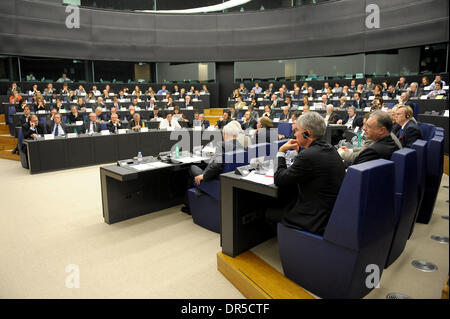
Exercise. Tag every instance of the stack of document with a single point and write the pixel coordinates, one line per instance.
(266, 179)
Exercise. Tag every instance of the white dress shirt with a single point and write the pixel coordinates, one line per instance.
(165, 124)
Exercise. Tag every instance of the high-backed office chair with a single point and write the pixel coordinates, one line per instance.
(11, 112)
(439, 131)
(428, 130)
(420, 146)
(284, 128)
(205, 205)
(103, 126)
(405, 205)
(435, 167)
(356, 240)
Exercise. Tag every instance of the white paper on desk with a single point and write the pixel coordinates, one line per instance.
(158, 164)
(258, 178)
(193, 159)
(424, 97)
(208, 149)
(446, 113)
(142, 167)
(270, 173)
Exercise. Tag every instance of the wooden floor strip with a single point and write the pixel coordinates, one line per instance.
(256, 279)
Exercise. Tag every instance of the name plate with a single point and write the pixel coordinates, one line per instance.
(49, 137)
(83, 94)
(189, 108)
(385, 97)
(41, 112)
(123, 109)
(71, 135)
(170, 108)
(246, 107)
(181, 100)
(195, 100)
(108, 100)
(371, 98)
(122, 131)
(276, 120)
(446, 113)
(79, 123)
(104, 132)
(423, 97)
(144, 129)
(62, 111)
(261, 107)
(367, 109)
(88, 109)
(260, 99)
(138, 108)
(165, 100)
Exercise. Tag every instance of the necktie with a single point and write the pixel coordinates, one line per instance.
(56, 130)
(170, 124)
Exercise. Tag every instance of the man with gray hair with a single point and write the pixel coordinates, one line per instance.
(378, 129)
(313, 180)
(230, 143)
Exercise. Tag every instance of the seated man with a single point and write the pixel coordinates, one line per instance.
(92, 126)
(224, 120)
(33, 128)
(169, 122)
(131, 111)
(214, 168)
(314, 178)
(204, 123)
(233, 113)
(293, 120)
(136, 123)
(409, 131)
(331, 117)
(248, 122)
(56, 127)
(437, 91)
(351, 120)
(378, 129)
(239, 103)
(188, 102)
(163, 91)
(114, 125)
(285, 116)
(155, 114)
(74, 116)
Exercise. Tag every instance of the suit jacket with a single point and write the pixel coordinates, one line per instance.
(215, 165)
(357, 121)
(112, 128)
(23, 119)
(85, 128)
(362, 104)
(334, 117)
(250, 124)
(285, 117)
(205, 124)
(395, 128)
(222, 123)
(409, 134)
(133, 123)
(382, 148)
(160, 114)
(317, 173)
(72, 118)
(39, 129)
(51, 125)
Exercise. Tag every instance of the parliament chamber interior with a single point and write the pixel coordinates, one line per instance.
(288, 149)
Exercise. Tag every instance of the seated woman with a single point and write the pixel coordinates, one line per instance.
(177, 113)
(81, 104)
(40, 105)
(136, 90)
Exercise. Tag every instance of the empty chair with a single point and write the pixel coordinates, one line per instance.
(435, 166)
(356, 241)
(428, 130)
(420, 146)
(22, 154)
(439, 131)
(405, 204)
(205, 205)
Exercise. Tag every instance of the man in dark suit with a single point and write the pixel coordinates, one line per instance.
(136, 123)
(93, 125)
(204, 123)
(409, 131)
(224, 120)
(57, 127)
(155, 114)
(331, 117)
(351, 120)
(286, 115)
(249, 122)
(26, 115)
(114, 125)
(378, 128)
(33, 128)
(215, 166)
(313, 180)
(358, 103)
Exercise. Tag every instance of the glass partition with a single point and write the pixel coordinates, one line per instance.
(185, 72)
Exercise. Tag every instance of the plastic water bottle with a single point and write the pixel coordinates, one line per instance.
(139, 158)
(177, 151)
(359, 139)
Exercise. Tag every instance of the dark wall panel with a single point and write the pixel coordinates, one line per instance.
(38, 29)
